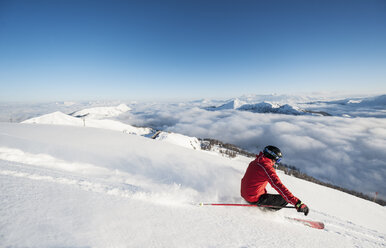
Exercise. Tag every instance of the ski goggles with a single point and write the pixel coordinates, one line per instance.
(277, 158)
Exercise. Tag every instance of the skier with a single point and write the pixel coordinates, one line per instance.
(259, 173)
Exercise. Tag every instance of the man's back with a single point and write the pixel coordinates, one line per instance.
(255, 180)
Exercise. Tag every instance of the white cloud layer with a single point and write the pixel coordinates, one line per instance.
(348, 152)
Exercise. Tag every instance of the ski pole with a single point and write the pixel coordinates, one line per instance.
(243, 205)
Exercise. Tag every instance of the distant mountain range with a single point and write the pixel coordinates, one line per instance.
(261, 107)
(378, 101)
(345, 107)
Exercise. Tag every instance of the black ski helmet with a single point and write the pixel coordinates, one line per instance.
(273, 153)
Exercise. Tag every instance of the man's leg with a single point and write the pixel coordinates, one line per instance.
(272, 200)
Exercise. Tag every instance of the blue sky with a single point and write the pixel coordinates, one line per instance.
(86, 50)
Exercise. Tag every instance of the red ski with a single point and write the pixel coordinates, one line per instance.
(310, 223)
(242, 205)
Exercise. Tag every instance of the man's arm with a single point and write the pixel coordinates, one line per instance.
(276, 183)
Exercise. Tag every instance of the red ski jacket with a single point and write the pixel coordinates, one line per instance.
(260, 172)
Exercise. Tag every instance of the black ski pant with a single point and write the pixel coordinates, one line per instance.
(271, 200)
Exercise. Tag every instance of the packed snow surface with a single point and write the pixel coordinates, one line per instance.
(67, 186)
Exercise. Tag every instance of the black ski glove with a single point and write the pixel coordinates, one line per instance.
(301, 207)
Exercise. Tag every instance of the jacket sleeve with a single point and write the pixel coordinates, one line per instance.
(276, 183)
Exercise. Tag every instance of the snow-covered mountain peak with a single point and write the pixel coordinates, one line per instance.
(234, 104)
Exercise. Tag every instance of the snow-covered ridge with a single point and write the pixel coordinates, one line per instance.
(59, 118)
(266, 107)
(102, 112)
(87, 120)
(378, 101)
(55, 118)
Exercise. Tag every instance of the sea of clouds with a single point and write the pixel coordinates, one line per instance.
(347, 149)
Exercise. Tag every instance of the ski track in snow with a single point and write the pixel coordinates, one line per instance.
(114, 185)
(351, 230)
(112, 182)
(24, 171)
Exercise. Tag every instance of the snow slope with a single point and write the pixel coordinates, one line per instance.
(65, 186)
(180, 140)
